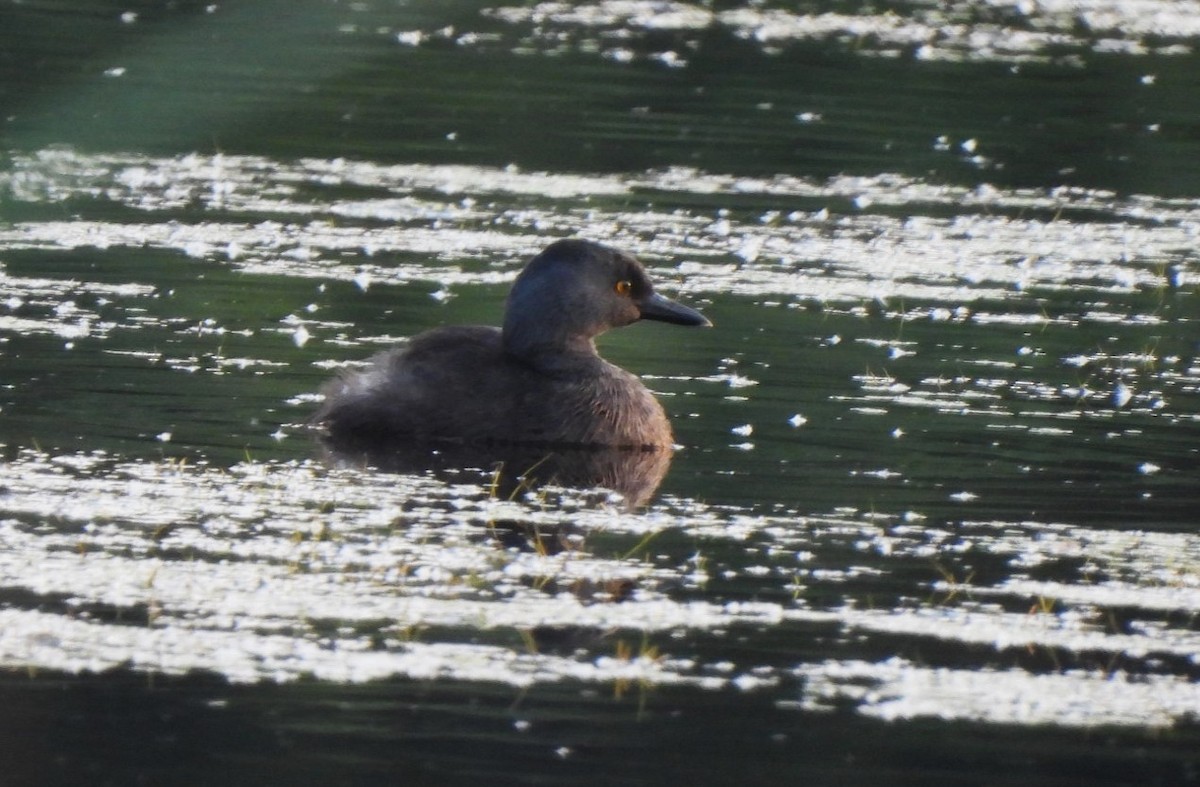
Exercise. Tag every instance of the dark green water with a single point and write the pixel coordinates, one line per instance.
(933, 519)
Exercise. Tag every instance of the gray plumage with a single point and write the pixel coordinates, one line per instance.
(537, 381)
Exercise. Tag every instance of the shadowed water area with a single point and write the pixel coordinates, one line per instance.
(932, 517)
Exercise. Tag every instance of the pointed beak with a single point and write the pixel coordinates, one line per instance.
(656, 307)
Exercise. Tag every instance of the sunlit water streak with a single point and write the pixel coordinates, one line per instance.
(848, 247)
(1015, 31)
(273, 572)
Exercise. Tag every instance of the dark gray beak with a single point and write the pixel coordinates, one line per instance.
(656, 307)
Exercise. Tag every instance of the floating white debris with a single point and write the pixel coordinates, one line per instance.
(964, 497)
(301, 336)
(797, 420)
(1148, 468)
(745, 430)
(1121, 395)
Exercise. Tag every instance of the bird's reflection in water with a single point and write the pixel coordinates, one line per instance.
(514, 471)
(633, 473)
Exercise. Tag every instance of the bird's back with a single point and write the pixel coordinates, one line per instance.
(458, 385)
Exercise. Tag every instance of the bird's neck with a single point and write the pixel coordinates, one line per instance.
(548, 352)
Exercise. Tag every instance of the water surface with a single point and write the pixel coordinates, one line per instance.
(932, 515)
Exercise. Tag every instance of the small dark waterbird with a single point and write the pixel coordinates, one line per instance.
(538, 381)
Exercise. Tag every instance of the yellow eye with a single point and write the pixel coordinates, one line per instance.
(623, 287)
